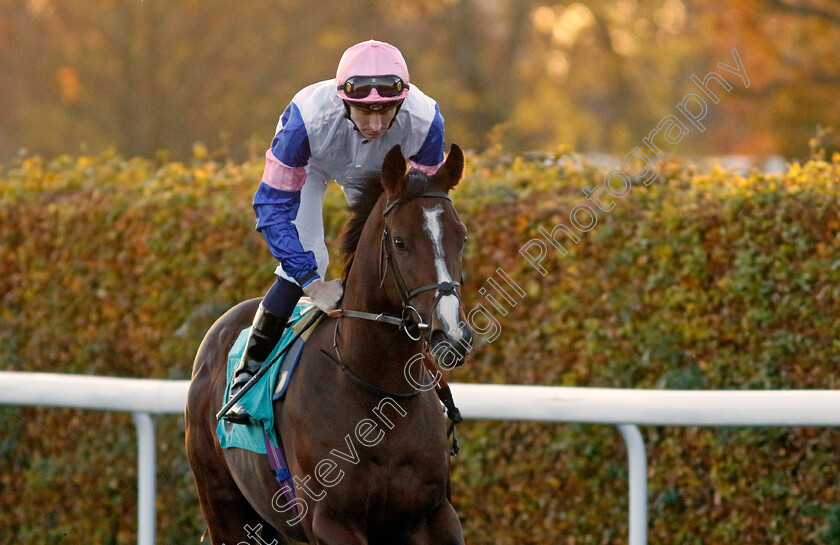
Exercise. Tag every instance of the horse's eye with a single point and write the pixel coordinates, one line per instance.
(400, 243)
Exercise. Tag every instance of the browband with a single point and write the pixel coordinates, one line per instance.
(433, 194)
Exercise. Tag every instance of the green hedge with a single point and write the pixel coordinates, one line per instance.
(117, 267)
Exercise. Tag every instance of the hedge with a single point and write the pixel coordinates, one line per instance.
(114, 266)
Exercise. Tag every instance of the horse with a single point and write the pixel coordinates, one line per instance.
(361, 427)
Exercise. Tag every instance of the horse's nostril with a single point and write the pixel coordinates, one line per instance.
(448, 352)
(438, 337)
(467, 336)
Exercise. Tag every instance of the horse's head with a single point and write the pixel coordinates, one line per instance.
(422, 243)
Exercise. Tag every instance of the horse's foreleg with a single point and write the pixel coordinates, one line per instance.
(328, 529)
(230, 518)
(442, 527)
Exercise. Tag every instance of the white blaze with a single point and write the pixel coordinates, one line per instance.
(447, 309)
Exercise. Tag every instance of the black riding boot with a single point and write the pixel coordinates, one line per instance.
(264, 336)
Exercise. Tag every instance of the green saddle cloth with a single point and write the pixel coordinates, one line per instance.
(258, 400)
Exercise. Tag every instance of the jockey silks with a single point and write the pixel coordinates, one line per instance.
(316, 142)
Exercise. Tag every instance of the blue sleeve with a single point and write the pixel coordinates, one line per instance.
(291, 143)
(276, 209)
(432, 151)
(277, 199)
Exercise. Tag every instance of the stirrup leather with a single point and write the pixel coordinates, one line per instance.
(265, 333)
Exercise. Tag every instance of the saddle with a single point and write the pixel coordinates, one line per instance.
(260, 435)
(272, 386)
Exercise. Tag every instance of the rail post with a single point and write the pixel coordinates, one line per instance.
(637, 463)
(146, 478)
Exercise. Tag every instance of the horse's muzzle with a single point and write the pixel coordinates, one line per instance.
(447, 351)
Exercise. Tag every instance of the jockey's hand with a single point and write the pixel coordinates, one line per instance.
(325, 295)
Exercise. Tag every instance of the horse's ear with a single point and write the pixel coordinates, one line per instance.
(393, 171)
(451, 171)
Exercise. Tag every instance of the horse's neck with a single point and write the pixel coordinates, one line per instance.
(373, 350)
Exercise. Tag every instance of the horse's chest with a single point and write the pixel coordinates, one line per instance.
(403, 490)
(389, 483)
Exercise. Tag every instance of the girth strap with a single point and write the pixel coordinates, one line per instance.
(281, 473)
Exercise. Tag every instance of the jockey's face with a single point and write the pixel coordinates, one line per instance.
(372, 123)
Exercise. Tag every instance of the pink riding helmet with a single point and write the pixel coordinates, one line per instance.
(371, 58)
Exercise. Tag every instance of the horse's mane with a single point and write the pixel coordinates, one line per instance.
(370, 189)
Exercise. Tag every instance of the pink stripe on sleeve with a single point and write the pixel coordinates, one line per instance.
(282, 177)
(423, 168)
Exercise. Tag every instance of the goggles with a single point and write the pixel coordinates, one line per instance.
(359, 87)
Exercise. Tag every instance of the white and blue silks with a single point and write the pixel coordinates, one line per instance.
(315, 142)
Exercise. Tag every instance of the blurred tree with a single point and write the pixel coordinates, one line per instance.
(792, 47)
(141, 76)
(145, 75)
(606, 72)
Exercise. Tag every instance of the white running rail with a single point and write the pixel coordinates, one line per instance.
(625, 409)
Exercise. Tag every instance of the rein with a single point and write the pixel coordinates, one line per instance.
(404, 322)
(359, 381)
(369, 386)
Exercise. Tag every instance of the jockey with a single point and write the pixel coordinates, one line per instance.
(333, 130)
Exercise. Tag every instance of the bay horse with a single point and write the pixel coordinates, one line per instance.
(361, 427)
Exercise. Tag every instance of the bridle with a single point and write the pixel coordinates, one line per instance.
(415, 329)
(410, 320)
(411, 328)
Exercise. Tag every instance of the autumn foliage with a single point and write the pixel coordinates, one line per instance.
(117, 267)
